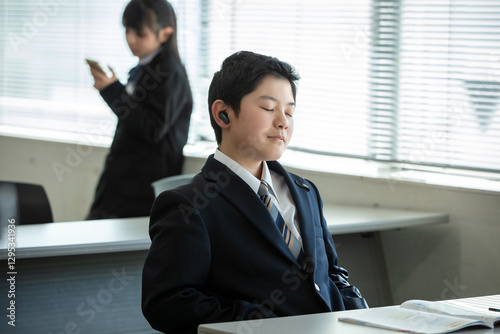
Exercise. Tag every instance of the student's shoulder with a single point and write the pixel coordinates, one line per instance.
(189, 200)
(296, 179)
(168, 63)
(162, 66)
(304, 184)
(186, 189)
(172, 71)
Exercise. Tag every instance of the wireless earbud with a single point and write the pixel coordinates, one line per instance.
(223, 116)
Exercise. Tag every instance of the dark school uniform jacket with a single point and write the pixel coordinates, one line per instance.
(217, 256)
(152, 129)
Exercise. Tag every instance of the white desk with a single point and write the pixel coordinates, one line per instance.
(322, 323)
(131, 234)
(80, 237)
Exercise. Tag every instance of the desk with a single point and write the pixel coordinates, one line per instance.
(314, 324)
(131, 234)
(348, 219)
(80, 237)
(86, 275)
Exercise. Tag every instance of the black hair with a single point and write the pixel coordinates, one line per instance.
(240, 75)
(156, 15)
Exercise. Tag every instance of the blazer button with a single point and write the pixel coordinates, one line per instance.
(317, 287)
(302, 184)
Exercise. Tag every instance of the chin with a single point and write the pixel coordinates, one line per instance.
(274, 156)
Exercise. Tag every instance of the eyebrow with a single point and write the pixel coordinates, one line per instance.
(267, 97)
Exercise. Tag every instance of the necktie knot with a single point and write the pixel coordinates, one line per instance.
(263, 189)
(263, 193)
(133, 74)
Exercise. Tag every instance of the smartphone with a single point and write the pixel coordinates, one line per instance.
(94, 64)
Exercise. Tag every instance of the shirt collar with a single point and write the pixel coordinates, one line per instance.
(266, 176)
(147, 59)
(245, 175)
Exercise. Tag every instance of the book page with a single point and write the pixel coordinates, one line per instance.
(450, 309)
(407, 320)
(479, 304)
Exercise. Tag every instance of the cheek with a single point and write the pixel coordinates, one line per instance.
(153, 43)
(142, 41)
(250, 135)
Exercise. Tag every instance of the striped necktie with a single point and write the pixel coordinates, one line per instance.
(133, 74)
(290, 240)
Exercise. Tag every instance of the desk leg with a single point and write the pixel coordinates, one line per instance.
(362, 255)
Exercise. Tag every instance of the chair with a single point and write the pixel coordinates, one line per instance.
(171, 182)
(27, 203)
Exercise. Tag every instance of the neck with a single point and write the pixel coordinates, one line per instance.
(253, 166)
(255, 170)
(150, 56)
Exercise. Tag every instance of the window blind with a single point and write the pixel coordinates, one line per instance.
(327, 42)
(45, 82)
(448, 111)
(411, 82)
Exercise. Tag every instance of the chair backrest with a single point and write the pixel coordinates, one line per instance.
(27, 203)
(171, 182)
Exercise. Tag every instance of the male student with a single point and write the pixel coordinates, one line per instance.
(229, 246)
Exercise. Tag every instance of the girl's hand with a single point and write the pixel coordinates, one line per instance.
(101, 79)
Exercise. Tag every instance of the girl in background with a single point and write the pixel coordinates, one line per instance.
(153, 110)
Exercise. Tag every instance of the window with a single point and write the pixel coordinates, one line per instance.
(409, 86)
(436, 88)
(45, 83)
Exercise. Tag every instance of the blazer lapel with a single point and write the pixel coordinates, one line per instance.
(240, 195)
(300, 192)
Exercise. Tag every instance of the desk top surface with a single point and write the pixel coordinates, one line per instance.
(131, 234)
(311, 324)
(320, 324)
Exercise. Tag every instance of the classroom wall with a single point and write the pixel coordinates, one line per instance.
(458, 259)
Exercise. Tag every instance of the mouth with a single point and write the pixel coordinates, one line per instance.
(277, 138)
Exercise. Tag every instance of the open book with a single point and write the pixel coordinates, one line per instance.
(420, 316)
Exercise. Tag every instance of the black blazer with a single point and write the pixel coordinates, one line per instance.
(152, 129)
(216, 255)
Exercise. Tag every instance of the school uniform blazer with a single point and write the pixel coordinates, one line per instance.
(151, 131)
(217, 255)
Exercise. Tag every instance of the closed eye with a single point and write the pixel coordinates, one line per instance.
(266, 109)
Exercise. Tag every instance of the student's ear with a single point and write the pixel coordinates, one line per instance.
(220, 114)
(165, 34)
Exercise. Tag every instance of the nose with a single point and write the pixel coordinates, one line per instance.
(281, 120)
